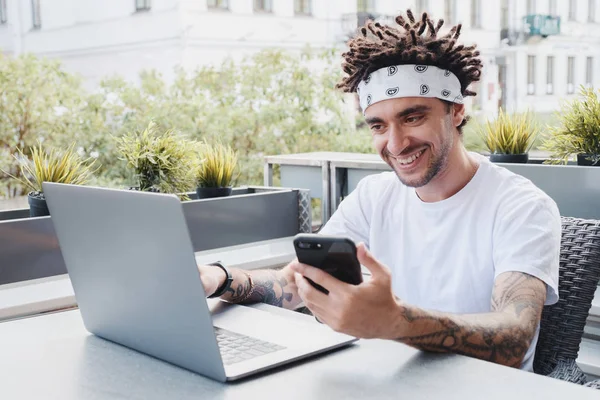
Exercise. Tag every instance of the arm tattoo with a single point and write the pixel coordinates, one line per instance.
(502, 336)
(269, 287)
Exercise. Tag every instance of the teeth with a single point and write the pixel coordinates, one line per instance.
(410, 159)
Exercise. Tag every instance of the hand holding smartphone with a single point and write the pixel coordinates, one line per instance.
(335, 255)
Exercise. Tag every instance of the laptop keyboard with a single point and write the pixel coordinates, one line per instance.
(236, 347)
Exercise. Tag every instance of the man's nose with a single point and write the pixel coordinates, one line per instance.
(397, 140)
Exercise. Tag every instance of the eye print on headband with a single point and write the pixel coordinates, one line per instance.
(369, 98)
(446, 93)
(368, 79)
(392, 91)
(420, 68)
(424, 89)
(459, 98)
(447, 73)
(392, 70)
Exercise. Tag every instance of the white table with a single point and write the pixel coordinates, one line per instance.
(54, 357)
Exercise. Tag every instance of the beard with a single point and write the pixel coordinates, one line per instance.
(437, 162)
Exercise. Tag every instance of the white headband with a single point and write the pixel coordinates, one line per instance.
(409, 81)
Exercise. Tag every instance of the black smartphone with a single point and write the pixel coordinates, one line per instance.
(335, 255)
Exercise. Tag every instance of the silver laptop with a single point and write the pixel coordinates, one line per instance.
(135, 278)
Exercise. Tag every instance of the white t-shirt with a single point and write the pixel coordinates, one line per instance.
(445, 255)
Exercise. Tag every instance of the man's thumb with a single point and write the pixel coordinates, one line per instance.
(366, 258)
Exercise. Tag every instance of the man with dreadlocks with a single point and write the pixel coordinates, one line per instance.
(463, 254)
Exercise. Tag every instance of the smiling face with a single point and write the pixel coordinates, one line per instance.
(415, 136)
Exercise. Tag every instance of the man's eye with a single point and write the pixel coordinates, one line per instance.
(376, 127)
(413, 119)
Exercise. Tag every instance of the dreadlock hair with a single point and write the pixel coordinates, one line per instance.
(413, 42)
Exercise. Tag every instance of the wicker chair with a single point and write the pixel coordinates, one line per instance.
(562, 324)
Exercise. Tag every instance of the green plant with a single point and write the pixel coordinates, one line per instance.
(509, 134)
(53, 166)
(162, 161)
(38, 103)
(271, 102)
(217, 167)
(578, 131)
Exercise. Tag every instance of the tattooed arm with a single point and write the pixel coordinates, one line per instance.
(275, 287)
(502, 336)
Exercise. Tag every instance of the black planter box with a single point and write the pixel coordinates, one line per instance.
(29, 248)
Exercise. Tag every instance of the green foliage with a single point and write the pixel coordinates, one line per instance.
(163, 161)
(38, 101)
(272, 102)
(579, 129)
(217, 165)
(509, 134)
(52, 166)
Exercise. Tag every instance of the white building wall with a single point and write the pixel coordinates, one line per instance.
(578, 38)
(10, 31)
(96, 39)
(99, 38)
(212, 35)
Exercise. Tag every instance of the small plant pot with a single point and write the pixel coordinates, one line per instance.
(37, 205)
(582, 159)
(211, 192)
(510, 158)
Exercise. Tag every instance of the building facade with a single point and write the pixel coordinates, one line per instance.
(546, 61)
(524, 68)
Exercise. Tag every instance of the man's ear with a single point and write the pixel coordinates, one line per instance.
(458, 114)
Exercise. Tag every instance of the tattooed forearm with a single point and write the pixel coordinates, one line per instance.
(269, 286)
(502, 336)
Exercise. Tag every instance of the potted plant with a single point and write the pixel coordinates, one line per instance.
(509, 137)
(162, 161)
(578, 131)
(215, 173)
(53, 166)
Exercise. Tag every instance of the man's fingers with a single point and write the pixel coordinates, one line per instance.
(318, 276)
(310, 294)
(366, 258)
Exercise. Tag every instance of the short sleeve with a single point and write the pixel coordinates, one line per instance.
(353, 215)
(527, 235)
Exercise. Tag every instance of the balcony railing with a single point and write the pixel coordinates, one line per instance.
(541, 25)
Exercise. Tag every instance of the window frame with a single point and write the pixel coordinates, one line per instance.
(504, 14)
(589, 71)
(421, 6)
(476, 14)
(450, 11)
(570, 74)
(531, 64)
(572, 10)
(550, 62)
(3, 12)
(143, 5)
(368, 6)
(36, 14)
(303, 7)
(264, 9)
(552, 7)
(219, 5)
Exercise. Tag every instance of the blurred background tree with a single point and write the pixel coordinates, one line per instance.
(273, 102)
(37, 100)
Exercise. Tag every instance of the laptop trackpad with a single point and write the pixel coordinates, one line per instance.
(296, 331)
